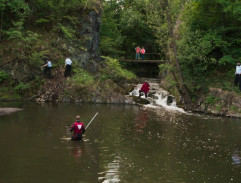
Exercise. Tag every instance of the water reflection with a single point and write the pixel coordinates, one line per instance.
(78, 150)
(111, 175)
(141, 121)
(236, 158)
(125, 144)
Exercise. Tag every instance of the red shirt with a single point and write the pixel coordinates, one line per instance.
(143, 51)
(78, 127)
(138, 50)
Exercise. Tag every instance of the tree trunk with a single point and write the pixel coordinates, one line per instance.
(173, 48)
(1, 26)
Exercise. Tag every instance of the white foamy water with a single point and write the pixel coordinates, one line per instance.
(158, 97)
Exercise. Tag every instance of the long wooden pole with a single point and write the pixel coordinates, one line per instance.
(91, 120)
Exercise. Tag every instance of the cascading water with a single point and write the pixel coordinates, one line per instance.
(158, 97)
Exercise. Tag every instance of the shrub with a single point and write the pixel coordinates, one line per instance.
(81, 78)
(113, 70)
(211, 100)
(22, 87)
(3, 76)
(35, 60)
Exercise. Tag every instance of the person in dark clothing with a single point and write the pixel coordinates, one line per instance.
(68, 64)
(47, 68)
(78, 129)
(145, 88)
(237, 78)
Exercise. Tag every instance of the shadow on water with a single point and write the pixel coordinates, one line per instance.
(124, 144)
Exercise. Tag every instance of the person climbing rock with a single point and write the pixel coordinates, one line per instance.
(237, 78)
(145, 88)
(47, 68)
(143, 51)
(68, 64)
(78, 129)
(138, 49)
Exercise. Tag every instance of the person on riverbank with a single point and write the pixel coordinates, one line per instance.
(237, 78)
(78, 129)
(138, 49)
(47, 68)
(143, 51)
(68, 64)
(145, 88)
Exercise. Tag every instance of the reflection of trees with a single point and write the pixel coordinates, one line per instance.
(136, 145)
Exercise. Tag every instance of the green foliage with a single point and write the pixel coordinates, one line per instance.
(68, 32)
(113, 70)
(35, 59)
(218, 107)
(165, 67)
(3, 76)
(15, 12)
(234, 108)
(211, 100)
(124, 26)
(81, 78)
(22, 87)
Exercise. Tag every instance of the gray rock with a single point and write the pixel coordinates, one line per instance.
(7, 111)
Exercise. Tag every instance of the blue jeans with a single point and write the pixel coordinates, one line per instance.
(137, 56)
(142, 56)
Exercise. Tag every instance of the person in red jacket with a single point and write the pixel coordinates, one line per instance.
(78, 129)
(145, 88)
(143, 51)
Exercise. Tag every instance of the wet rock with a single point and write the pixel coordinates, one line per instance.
(7, 111)
(169, 100)
(202, 108)
(139, 100)
(66, 99)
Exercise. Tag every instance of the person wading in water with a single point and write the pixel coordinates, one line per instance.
(78, 128)
(145, 88)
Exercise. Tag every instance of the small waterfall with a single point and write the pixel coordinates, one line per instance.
(158, 97)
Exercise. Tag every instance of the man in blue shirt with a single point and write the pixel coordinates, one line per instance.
(47, 69)
(237, 78)
(68, 64)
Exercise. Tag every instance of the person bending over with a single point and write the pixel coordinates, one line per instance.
(68, 64)
(145, 88)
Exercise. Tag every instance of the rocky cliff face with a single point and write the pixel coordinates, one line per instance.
(23, 63)
(219, 102)
(85, 52)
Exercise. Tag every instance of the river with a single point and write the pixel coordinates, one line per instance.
(125, 143)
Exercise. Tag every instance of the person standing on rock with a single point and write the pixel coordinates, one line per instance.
(68, 64)
(78, 129)
(138, 49)
(145, 88)
(237, 78)
(143, 51)
(47, 68)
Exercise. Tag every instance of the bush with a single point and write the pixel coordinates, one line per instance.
(113, 70)
(211, 100)
(3, 76)
(22, 87)
(81, 78)
(36, 59)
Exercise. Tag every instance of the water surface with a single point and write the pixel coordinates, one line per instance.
(124, 144)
